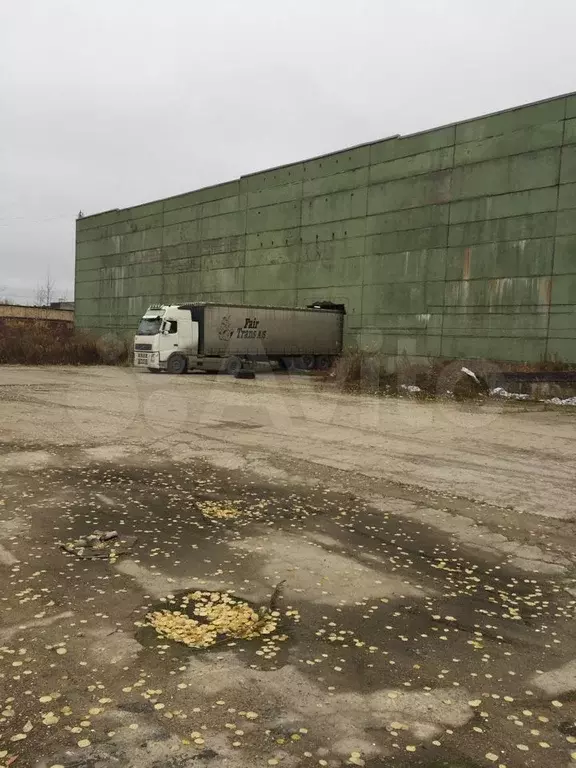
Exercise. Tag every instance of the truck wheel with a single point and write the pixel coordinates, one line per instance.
(233, 366)
(177, 364)
(323, 362)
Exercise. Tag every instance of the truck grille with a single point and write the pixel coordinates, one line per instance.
(143, 347)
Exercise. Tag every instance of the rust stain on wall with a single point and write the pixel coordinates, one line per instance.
(501, 291)
(466, 264)
(545, 290)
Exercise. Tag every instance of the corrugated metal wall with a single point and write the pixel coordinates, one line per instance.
(455, 242)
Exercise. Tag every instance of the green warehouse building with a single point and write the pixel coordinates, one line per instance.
(458, 242)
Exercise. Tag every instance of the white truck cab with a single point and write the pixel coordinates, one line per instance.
(162, 331)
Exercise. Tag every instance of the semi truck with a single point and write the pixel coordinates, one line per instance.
(223, 337)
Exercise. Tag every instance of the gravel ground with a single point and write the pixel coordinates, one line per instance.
(424, 554)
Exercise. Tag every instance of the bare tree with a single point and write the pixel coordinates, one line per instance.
(44, 294)
(4, 299)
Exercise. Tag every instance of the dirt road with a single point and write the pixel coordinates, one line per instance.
(427, 553)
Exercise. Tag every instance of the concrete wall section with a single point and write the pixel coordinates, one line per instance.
(455, 242)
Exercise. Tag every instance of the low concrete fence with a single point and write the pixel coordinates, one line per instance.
(10, 312)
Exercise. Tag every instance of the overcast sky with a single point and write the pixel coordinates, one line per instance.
(109, 103)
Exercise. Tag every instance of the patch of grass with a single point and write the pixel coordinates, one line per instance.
(359, 371)
(53, 343)
(356, 370)
(422, 378)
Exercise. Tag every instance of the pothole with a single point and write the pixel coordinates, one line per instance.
(200, 620)
(568, 728)
(100, 545)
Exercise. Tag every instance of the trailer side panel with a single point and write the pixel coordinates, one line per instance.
(255, 331)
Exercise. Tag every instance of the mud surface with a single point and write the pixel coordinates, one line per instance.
(421, 626)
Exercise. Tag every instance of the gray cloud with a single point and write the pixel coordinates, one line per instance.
(111, 103)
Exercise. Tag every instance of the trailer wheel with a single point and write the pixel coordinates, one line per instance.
(177, 364)
(233, 366)
(308, 362)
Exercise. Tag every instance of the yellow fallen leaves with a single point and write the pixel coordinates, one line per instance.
(222, 615)
(218, 511)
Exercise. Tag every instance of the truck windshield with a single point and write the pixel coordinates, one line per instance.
(149, 326)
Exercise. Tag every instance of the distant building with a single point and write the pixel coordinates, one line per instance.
(69, 305)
